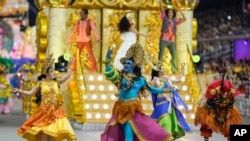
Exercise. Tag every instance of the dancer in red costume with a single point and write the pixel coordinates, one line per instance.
(82, 33)
(219, 112)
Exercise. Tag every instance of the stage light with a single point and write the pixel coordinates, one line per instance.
(187, 97)
(103, 97)
(196, 58)
(63, 60)
(91, 77)
(105, 106)
(107, 116)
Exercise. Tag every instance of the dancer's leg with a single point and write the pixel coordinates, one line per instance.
(128, 132)
(91, 56)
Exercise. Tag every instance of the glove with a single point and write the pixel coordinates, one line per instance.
(108, 54)
(108, 57)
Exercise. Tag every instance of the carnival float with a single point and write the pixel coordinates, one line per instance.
(89, 97)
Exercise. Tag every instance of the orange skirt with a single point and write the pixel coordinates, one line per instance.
(49, 120)
(205, 117)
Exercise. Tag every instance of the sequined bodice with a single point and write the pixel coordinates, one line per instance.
(50, 92)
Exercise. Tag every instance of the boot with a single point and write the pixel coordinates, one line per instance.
(206, 139)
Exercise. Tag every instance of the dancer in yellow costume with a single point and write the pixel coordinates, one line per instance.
(6, 103)
(49, 121)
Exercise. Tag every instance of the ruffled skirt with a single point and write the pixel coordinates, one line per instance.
(144, 127)
(48, 120)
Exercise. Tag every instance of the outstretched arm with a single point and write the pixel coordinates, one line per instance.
(137, 32)
(161, 7)
(183, 17)
(31, 92)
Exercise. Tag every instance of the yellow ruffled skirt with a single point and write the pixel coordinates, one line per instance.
(49, 120)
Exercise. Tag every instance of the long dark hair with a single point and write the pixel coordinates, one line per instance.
(38, 94)
(124, 24)
(154, 73)
(174, 12)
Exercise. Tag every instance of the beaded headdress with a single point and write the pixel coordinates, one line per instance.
(136, 52)
(48, 63)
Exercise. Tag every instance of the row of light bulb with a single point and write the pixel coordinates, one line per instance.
(113, 97)
(112, 87)
(100, 77)
(109, 106)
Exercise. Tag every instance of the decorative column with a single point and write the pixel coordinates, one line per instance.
(55, 11)
(184, 34)
(57, 32)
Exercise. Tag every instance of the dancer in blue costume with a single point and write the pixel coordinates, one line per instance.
(128, 121)
(165, 110)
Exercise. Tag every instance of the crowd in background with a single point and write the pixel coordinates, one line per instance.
(217, 31)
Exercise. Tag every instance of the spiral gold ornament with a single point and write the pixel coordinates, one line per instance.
(42, 30)
(41, 37)
(185, 4)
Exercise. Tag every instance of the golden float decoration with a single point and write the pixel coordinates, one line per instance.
(41, 4)
(185, 4)
(41, 37)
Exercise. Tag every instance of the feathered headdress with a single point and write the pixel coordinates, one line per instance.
(48, 63)
(136, 52)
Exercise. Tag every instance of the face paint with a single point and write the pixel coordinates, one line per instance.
(128, 65)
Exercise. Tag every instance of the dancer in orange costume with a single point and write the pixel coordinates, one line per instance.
(82, 31)
(49, 122)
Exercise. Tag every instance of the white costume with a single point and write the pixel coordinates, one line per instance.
(128, 38)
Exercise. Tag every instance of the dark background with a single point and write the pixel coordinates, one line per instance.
(203, 5)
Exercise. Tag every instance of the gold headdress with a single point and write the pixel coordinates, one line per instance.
(136, 52)
(48, 63)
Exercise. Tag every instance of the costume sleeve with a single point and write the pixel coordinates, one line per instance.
(152, 89)
(73, 32)
(94, 30)
(163, 15)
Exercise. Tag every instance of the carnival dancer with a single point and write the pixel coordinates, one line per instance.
(168, 35)
(82, 34)
(219, 111)
(128, 121)
(6, 103)
(166, 111)
(49, 121)
(128, 36)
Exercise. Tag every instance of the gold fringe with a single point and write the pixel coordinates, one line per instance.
(125, 110)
